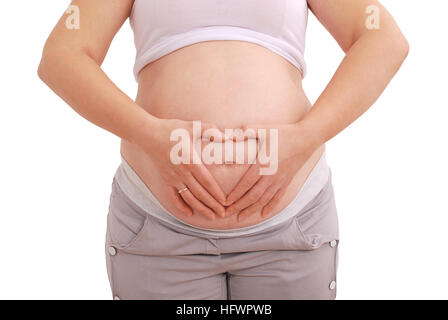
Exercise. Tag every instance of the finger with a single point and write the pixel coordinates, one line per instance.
(249, 198)
(275, 200)
(179, 202)
(202, 195)
(195, 204)
(263, 201)
(249, 211)
(247, 181)
(205, 178)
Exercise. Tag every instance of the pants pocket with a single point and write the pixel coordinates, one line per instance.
(318, 222)
(132, 230)
(125, 220)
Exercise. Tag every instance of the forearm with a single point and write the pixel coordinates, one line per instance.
(79, 80)
(364, 73)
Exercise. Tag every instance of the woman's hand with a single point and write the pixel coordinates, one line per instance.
(288, 147)
(190, 185)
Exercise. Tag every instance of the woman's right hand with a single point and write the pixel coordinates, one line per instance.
(203, 194)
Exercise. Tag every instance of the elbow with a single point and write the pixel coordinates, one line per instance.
(398, 44)
(43, 70)
(58, 61)
(401, 46)
(394, 44)
(54, 63)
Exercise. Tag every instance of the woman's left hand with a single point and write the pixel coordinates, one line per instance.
(286, 149)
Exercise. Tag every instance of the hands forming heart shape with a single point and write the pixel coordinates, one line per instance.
(282, 151)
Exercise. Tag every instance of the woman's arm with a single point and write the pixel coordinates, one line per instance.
(373, 56)
(71, 62)
(70, 66)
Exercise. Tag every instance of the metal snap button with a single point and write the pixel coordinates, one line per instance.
(332, 285)
(112, 251)
(333, 243)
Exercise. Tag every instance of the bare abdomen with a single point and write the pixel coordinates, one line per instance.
(230, 84)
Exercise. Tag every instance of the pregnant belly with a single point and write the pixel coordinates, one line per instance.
(232, 162)
(230, 84)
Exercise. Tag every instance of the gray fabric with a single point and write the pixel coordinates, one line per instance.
(135, 189)
(148, 258)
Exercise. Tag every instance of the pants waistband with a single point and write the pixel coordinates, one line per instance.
(136, 190)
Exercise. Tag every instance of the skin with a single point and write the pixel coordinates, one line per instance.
(222, 196)
(224, 89)
(355, 86)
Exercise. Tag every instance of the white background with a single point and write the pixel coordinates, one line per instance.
(389, 168)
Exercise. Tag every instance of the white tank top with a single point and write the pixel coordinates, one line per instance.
(163, 26)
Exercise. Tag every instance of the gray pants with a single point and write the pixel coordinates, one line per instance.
(149, 259)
